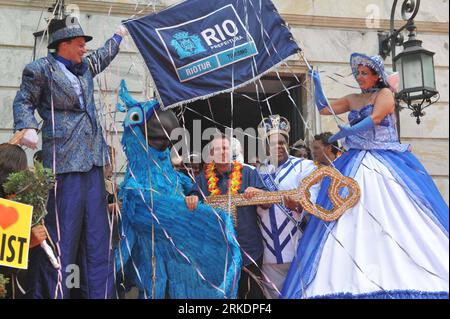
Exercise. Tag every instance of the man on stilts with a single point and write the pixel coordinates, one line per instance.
(60, 87)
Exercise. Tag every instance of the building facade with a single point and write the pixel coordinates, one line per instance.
(328, 31)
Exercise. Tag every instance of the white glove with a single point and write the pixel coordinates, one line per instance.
(30, 139)
(122, 31)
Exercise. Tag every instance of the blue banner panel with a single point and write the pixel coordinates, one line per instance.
(199, 48)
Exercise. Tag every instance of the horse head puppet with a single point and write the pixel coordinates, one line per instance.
(154, 125)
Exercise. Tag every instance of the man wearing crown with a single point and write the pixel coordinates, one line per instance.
(281, 225)
(222, 176)
(60, 87)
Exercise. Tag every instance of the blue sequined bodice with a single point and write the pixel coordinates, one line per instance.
(383, 136)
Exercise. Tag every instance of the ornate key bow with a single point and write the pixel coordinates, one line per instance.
(302, 195)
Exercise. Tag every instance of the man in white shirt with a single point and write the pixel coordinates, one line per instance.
(281, 227)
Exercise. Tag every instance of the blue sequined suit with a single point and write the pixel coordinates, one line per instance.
(77, 135)
(77, 220)
(194, 254)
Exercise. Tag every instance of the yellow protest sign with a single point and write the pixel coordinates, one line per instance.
(15, 225)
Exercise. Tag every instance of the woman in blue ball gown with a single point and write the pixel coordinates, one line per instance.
(394, 243)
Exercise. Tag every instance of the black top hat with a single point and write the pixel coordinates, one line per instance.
(60, 30)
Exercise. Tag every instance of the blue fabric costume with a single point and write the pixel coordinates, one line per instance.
(194, 254)
(394, 242)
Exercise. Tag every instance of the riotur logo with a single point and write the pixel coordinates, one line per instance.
(187, 45)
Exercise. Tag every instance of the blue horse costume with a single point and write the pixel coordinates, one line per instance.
(194, 254)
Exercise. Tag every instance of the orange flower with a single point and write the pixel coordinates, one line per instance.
(234, 183)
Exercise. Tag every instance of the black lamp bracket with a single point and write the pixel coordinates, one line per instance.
(389, 40)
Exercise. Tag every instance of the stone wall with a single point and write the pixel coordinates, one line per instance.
(328, 44)
(327, 30)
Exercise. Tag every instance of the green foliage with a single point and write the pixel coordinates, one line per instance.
(3, 282)
(31, 187)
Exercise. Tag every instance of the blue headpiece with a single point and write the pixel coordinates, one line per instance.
(374, 62)
(137, 112)
(64, 29)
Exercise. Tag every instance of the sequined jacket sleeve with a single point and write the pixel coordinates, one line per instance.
(186, 183)
(102, 57)
(28, 97)
(199, 187)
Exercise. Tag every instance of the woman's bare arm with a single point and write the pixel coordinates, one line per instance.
(339, 106)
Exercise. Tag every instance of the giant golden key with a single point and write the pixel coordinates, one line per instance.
(302, 195)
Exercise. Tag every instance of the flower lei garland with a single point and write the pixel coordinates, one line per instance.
(234, 183)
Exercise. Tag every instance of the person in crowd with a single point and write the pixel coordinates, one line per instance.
(301, 150)
(324, 152)
(12, 160)
(225, 176)
(281, 225)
